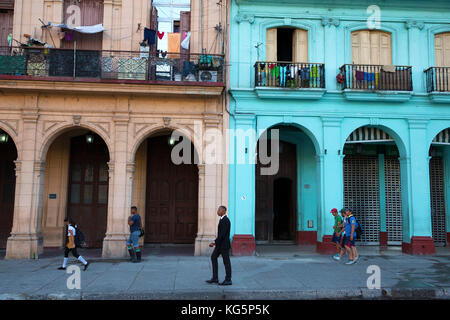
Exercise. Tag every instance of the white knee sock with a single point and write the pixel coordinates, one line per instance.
(82, 260)
(65, 262)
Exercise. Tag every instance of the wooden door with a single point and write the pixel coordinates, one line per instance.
(267, 214)
(91, 13)
(172, 196)
(6, 27)
(7, 189)
(88, 188)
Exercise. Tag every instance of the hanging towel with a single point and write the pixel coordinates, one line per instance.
(377, 77)
(388, 68)
(304, 73)
(359, 75)
(370, 76)
(185, 42)
(149, 36)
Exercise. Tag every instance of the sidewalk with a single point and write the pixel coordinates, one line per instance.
(271, 274)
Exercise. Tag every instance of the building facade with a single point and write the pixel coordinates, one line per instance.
(359, 95)
(86, 119)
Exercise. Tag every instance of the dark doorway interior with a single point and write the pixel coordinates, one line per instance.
(88, 187)
(282, 209)
(171, 195)
(276, 201)
(8, 154)
(284, 44)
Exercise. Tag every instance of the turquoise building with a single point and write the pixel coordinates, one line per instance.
(359, 92)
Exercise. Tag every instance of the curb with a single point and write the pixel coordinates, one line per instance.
(325, 294)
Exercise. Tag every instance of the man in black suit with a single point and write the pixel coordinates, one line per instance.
(222, 247)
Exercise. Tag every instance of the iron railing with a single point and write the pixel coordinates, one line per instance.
(376, 77)
(438, 79)
(67, 64)
(289, 75)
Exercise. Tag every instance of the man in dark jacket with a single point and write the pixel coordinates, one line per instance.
(222, 247)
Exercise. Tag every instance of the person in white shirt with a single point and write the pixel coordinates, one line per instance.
(70, 245)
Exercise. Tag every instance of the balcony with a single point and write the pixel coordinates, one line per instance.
(287, 80)
(438, 86)
(111, 67)
(364, 82)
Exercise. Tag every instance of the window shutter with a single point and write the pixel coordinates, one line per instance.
(300, 45)
(356, 47)
(371, 47)
(271, 45)
(385, 48)
(442, 49)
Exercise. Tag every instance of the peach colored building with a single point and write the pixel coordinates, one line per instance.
(88, 127)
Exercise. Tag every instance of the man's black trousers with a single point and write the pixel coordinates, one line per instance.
(226, 261)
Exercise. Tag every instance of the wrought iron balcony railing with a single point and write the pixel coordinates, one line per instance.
(438, 79)
(109, 65)
(376, 77)
(289, 75)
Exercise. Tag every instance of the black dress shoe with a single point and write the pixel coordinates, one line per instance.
(226, 283)
(85, 266)
(61, 268)
(212, 281)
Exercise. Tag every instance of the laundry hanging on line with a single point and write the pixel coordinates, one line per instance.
(150, 36)
(185, 42)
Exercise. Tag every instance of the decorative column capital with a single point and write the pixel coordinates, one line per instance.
(39, 166)
(121, 120)
(131, 166)
(30, 117)
(331, 121)
(245, 17)
(410, 24)
(18, 167)
(110, 168)
(418, 123)
(201, 170)
(330, 21)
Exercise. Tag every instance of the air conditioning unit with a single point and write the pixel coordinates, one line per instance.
(207, 76)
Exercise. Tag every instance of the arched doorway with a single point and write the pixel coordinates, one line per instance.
(372, 185)
(286, 201)
(88, 186)
(76, 185)
(171, 193)
(8, 154)
(439, 166)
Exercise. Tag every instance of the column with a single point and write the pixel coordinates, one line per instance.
(331, 68)
(419, 241)
(415, 42)
(25, 241)
(331, 182)
(210, 186)
(245, 48)
(120, 192)
(242, 148)
(382, 199)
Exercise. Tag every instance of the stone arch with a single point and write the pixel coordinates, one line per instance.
(434, 132)
(12, 135)
(50, 137)
(308, 131)
(151, 130)
(399, 141)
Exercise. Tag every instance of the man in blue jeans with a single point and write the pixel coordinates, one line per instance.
(134, 221)
(350, 235)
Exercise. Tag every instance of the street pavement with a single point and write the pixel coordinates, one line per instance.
(273, 273)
